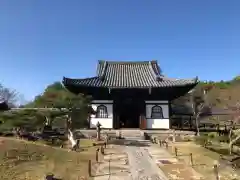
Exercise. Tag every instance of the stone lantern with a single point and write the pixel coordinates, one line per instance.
(98, 128)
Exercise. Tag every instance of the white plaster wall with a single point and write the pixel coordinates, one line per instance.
(157, 123)
(105, 122)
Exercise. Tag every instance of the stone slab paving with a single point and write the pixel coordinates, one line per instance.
(158, 154)
(114, 165)
(142, 167)
(130, 162)
(134, 164)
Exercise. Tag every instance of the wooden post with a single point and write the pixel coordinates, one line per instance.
(97, 154)
(106, 138)
(176, 151)
(216, 171)
(120, 134)
(174, 136)
(160, 143)
(98, 125)
(102, 150)
(191, 159)
(89, 168)
(166, 145)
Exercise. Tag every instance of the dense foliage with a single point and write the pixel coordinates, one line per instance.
(54, 96)
(221, 94)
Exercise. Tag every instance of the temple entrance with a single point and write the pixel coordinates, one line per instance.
(128, 113)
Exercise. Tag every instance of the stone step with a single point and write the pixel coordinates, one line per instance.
(129, 133)
(134, 138)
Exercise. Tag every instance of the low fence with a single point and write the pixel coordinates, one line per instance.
(163, 143)
(93, 164)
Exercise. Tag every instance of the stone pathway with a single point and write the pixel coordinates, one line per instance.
(142, 167)
(114, 166)
(130, 162)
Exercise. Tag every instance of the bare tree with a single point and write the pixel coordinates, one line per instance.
(234, 134)
(8, 95)
(199, 99)
(229, 100)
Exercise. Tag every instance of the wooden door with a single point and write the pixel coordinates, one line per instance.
(143, 122)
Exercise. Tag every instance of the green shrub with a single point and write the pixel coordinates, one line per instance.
(224, 139)
(201, 140)
(212, 135)
(187, 139)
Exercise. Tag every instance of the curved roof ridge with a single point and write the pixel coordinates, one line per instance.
(178, 79)
(66, 79)
(154, 68)
(126, 62)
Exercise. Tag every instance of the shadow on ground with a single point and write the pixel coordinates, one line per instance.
(51, 177)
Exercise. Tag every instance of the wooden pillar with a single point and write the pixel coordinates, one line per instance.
(114, 115)
(143, 122)
(89, 121)
(181, 123)
(190, 119)
(170, 114)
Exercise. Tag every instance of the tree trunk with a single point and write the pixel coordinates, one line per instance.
(48, 121)
(230, 139)
(230, 149)
(197, 126)
(67, 125)
(232, 142)
(72, 140)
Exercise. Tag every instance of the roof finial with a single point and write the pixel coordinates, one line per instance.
(103, 72)
(154, 72)
(196, 79)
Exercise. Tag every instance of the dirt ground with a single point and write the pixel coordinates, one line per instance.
(203, 161)
(178, 171)
(21, 159)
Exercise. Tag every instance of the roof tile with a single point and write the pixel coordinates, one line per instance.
(143, 74)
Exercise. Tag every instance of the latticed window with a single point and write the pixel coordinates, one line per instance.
(102, 112)
(157, 112)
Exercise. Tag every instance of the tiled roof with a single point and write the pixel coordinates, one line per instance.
(143, 74)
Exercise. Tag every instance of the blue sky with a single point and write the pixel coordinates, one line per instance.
(42, 41)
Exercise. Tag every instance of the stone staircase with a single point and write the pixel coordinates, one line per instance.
(130, 134)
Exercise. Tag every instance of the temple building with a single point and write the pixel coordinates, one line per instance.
(130, 94)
